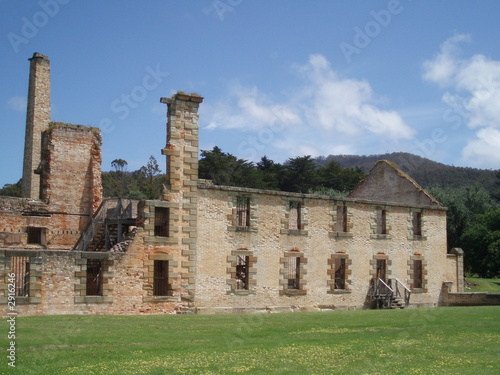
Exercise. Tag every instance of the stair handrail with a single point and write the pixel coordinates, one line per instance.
(380, 281)
(375, 287)
(88, 233)
(407, 292)
(111, 208)
(376, 292)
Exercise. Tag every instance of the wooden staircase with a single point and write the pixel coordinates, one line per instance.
(392, 294)
(111, 225)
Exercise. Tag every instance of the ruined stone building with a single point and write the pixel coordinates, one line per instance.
(204, 248)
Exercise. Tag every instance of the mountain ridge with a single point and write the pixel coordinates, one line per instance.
(425, 171)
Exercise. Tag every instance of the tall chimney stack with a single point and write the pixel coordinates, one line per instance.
(37, 120)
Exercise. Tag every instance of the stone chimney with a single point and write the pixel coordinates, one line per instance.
(182, 144)
(37, 120)
(181, 194)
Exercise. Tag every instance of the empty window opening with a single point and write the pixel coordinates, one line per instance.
(381, 222)
(35, 236)
(417, 224)
(340, 273)
(293, 272)
(381, 269)
(94, 277)
(417, 274)
(242, 272)
(342, 219)
(162, 221)
(243, 212)
(20, 267)
(161, 287)
(295, 215)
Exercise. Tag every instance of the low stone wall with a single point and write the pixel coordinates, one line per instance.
(472, 299)
(468, 299)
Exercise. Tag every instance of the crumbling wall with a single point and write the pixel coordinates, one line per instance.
(71, 168)
(387, 183)
(71, 191)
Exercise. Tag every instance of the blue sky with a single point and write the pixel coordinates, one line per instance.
(280, 78)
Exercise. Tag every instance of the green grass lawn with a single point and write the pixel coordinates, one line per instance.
(453, 340)
(474, 284)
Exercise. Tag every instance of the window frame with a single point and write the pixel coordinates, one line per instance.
(20, 266)
(35, 236)
(296, 285)
(339, 259)
(235, 270)
(293, 277)
(243, 212)
(342, 222)
(417, 224)
(418, 274)
(382, 222)
(162, 222)
(242, 272)
(295, 216)
(295, 213)
(413, 268)
(94, 280)
(161, 278)
(149, 278)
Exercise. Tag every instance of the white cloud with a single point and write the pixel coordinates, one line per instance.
(249, 109)
(473, 92)
(346, 105)
(324, 114)
(443, 68)
(17, 103)
(484, 151)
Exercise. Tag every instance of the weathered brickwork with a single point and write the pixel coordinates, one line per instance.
(204, 248)
(71, 190)
(71, 168)
(270, 244)
(37, 120)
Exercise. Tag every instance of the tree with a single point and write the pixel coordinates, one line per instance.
(226, 169)
(119, 165)
(120, 182)
(11, 190)
(333, 176)
(497, 191)
(300, 174)
(482, 243)
(151, 184)
(464, 204)
(270, 173)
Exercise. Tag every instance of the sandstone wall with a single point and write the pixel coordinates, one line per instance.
(269, 240)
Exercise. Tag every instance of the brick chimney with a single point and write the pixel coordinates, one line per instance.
(37, 120)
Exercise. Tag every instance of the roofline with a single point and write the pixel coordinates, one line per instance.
(206, 185)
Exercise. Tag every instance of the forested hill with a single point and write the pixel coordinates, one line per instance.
(425, 171)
